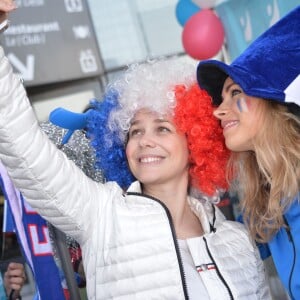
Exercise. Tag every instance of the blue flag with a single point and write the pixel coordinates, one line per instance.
(33, 236)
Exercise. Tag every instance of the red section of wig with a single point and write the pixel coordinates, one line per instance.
(208, 153)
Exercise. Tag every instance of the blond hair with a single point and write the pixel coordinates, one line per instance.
(269, 176)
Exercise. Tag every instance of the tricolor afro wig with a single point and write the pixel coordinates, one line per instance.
(168, 87)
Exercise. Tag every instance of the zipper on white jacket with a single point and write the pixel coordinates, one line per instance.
(182, 274)
(218, 271)
(214, 229)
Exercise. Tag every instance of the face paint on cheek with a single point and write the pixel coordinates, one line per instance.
(248, 103)
(242, 105)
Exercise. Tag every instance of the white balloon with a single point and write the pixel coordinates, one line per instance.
(208, 3)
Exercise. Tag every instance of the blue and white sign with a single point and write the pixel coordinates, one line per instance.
(245, 20)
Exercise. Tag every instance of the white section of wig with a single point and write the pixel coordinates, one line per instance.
(149, 85)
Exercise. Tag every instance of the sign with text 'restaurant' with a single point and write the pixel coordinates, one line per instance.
(50, 41)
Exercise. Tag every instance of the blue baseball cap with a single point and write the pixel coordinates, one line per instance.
(269, 68)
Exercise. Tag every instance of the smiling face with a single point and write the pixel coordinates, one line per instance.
(241, 116)
(156, 152)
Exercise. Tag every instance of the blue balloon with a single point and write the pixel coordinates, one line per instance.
(69, 120)
(184, 10)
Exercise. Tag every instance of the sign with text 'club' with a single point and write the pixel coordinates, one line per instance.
(50, 41)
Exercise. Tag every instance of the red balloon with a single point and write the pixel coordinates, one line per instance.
(203, 35)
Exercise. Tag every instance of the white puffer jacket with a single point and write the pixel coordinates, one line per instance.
(128, 240)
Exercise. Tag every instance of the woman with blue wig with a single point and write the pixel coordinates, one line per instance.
(257, 100)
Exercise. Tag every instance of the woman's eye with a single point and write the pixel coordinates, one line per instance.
(134, 132)
(235, 92)
(163, 129)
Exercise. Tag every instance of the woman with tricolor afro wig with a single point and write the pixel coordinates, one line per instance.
(155, 135)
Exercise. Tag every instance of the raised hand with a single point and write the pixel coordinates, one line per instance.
(14, 279)
(6, 6)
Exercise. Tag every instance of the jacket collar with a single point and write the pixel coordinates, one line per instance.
(135, 187)
(208, 214)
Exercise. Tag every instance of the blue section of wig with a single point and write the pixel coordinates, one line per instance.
(109, 148)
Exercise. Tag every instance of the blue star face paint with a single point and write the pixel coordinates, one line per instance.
(242, 105)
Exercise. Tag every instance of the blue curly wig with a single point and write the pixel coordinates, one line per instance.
(110, 150)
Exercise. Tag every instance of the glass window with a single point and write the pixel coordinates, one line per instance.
(133, 30)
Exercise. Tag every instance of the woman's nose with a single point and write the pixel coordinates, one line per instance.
(221, 111)
(147, 141)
